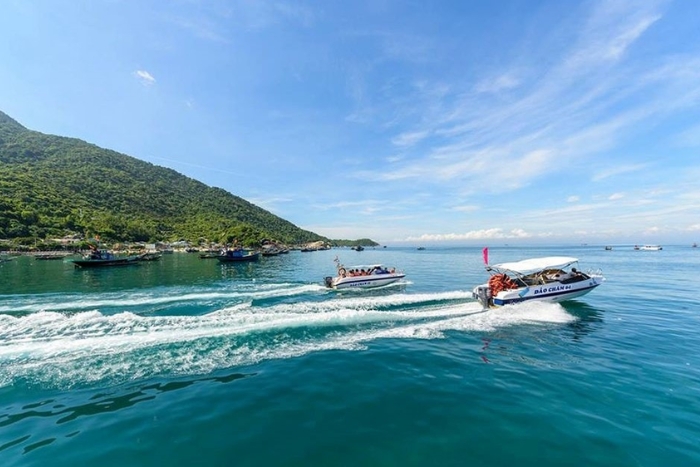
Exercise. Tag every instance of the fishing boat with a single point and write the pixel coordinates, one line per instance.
(150, 256)
(271, 251)
(650, 248)
(238, 255)
(103, 258)
(209, 254)
(550, 279)
(363, 277)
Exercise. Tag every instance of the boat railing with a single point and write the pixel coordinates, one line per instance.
(594, 272)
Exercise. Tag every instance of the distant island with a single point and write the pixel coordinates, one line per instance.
(52, 187)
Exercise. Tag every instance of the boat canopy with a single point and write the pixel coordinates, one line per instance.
(535, 264)
(365, 266)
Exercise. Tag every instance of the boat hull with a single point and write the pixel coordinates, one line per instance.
(553, 292)
(103, 263)
(365, 282)
(238, 259)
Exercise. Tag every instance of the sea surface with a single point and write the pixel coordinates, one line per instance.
(186, 361)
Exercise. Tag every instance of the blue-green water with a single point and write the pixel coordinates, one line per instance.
(189, 362)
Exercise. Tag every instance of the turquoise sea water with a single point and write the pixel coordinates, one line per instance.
(189, 362)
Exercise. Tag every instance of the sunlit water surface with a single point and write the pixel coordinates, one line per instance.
(186, 361)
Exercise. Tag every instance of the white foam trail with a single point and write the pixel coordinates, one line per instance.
(125, 300)
(89, 346)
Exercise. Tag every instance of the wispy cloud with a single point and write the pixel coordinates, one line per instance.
(548, 124)
(409, 139)
(616, 196)
(145, 77)
(619, 170)
(466, 208)
(689, 137)
(500, 83)
(611, 29)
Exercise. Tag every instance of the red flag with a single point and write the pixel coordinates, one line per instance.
(486, 256)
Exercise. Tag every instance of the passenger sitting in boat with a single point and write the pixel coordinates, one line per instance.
(557, 275)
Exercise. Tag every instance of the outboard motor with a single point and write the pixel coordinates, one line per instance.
(483, 295)
(329, 281)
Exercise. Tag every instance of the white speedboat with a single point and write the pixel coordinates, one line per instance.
(551, 279)
(374, 275)
(651, 247)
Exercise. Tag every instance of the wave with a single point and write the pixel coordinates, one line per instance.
(59, 349)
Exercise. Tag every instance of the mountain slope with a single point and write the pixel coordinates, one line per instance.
(52, 185)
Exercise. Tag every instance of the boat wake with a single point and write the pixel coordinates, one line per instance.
(64, 341)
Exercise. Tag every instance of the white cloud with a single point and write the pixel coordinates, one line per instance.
(145, 77)
(572, 199)
(466, 208)
(484, 234)
(615, 196)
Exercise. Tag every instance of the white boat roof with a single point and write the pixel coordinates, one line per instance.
(536, 264)
(366, 266)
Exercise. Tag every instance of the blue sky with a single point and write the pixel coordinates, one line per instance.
(479, 122)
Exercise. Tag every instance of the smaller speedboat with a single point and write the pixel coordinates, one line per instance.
(651, 248)
(550, 279)
(363, 277)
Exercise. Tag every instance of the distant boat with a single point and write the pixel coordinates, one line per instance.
(695, 245)
(650, 248)
(608, 248)
(421, 248)
(271, 251)
(103, 258)
(150, 256)
(358, 248)
(238, 255)
(209, 254)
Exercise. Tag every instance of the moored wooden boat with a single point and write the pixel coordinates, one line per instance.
(103, 258)
(239, 255)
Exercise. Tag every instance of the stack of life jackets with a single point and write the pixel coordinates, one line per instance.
(499, 282)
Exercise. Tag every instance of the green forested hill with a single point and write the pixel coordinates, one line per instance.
(51, 186)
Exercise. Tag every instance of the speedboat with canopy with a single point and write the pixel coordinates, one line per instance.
(551, 279)
(367, 276)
